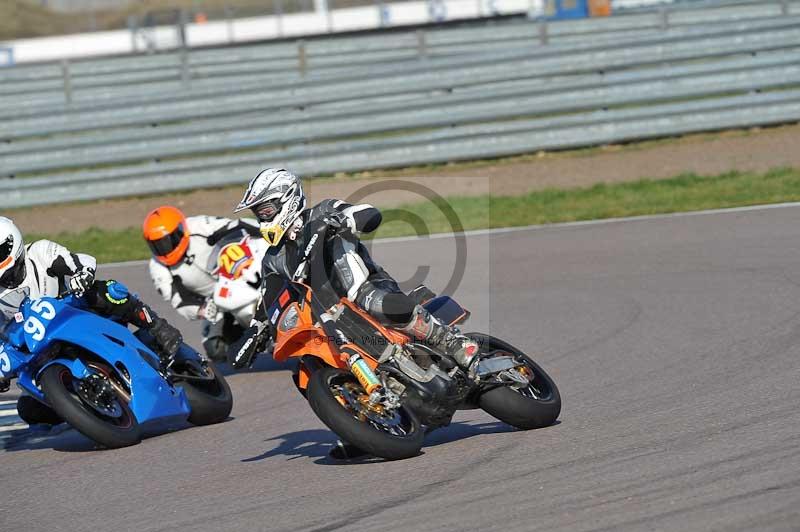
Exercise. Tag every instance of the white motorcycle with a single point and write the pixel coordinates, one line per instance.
(236, 262)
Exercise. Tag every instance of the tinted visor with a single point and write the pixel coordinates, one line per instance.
(166, 245)
(267, 211)
(6, 247)
(14, 276)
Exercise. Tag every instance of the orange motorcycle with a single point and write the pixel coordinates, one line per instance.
(381, 390)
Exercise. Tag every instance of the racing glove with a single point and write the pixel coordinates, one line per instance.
(81, 282)
(209, 311)
(255, 339)
(168, 338)
(337, 221)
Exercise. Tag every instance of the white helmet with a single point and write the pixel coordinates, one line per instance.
(12, 255)
(276, 198)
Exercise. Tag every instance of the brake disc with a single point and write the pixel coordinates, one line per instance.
(97, 392)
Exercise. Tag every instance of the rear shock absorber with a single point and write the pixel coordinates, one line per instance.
(363, 373)
(357, 365)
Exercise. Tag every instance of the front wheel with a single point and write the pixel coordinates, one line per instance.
(337, 398)
(533, 406)
(92, 406)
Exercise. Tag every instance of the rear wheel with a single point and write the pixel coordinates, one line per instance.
(95, 406)
(533, 406)
(211, 400)
(342, 404)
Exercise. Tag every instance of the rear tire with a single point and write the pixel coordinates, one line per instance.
(354, 431)
(211, 402)
(56, 382)
(512, 407)
(33, 412)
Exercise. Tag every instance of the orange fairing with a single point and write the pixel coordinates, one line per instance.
(391, 335)
(304, 338)
(166, 234)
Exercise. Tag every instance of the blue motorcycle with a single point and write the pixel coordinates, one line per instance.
(104, 380)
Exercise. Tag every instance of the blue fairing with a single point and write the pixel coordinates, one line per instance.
(49, 322)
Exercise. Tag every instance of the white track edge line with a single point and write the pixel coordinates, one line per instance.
(536, 227)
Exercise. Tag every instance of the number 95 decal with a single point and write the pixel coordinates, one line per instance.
(33, 325)
(5, 362)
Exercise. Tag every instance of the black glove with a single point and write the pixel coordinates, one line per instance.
(81, 282)
(168, 338)
(5, 384)
(336, 221)
(242, 353)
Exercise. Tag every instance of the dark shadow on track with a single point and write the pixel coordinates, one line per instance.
(59, 438)
(263, 363)
(312, 443)
(316, 443)
(464, 430)
(65, 439)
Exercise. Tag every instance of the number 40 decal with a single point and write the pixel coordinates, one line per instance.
(34, 325)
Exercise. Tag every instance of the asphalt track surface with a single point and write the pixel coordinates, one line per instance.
(676, 346)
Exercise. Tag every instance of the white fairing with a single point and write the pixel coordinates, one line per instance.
(239, 297)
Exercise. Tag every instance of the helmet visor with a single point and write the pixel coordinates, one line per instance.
(166, 245)
(267, 211)
(14, 276)
(5, 248)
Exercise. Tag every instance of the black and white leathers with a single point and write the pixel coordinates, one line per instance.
(187, 284)
(49, 266)
(351, 270)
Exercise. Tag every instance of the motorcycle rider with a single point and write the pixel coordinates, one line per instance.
(182, 270)
(46, 269)
(276, 198)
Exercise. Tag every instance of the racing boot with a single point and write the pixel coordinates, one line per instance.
(167, 337)
(423, 326)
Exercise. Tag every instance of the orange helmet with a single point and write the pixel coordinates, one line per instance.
(166, 233)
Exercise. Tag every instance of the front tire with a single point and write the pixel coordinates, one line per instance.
(344, 420)
(59, 387)
(534, 407)
(211, 402)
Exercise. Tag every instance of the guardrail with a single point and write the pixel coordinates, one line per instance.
(248, 78)
(319, 52)
(500, 101)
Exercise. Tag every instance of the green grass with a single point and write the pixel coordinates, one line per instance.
(686, 192)
(106, 246)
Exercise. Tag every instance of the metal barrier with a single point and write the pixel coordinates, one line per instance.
(283, 55)
(246, 77)
(6, 56)
(274, 95)
(482, 100)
